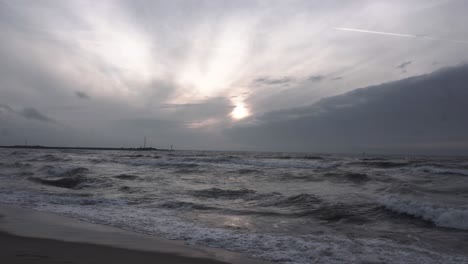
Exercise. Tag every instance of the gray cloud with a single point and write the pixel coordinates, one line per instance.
(184, 62)
(34, 114)
(337, 78)
(163, 133)
(5, 109)
(210, 108)
(82, 95)
(274, 81)
(401, 116)
(404, 65)
(316, 78)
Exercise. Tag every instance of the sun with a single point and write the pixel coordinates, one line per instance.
(240, 112)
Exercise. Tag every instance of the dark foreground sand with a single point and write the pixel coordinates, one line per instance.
(29, 236)
(19, 250)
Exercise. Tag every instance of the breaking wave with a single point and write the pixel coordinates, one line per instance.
(442, 216)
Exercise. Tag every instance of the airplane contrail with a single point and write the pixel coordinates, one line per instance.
(400, 35)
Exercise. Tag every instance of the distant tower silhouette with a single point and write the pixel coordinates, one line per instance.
(144, 143)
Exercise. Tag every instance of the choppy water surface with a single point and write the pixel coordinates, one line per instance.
(290, 208)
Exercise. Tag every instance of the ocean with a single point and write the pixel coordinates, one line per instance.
(283, 207)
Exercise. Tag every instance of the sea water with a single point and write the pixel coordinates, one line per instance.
(284, 207)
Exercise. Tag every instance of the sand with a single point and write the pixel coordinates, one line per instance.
(15, 249)
(29, 236)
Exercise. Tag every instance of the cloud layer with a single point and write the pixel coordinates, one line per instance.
(82, 72)
(426, 113)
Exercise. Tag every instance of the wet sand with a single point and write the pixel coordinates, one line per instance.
(29, 236)
(15, 249)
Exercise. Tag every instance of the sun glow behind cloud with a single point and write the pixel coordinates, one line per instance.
(240, 112)
(216, 60)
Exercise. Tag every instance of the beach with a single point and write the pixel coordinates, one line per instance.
(28, 236)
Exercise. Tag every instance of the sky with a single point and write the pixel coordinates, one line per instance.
(317, 76)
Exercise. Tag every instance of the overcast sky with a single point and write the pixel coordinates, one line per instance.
(253, 75)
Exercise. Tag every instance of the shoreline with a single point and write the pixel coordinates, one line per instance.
(30, 236)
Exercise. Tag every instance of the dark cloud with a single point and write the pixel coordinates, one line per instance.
(82, 95)
(34, 114)
(316, 78)
(178, 105)
(401, 116)
(337, 78)
(274, 81)
(404, 65)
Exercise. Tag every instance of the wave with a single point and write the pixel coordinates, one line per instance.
(98, 160)
(50, 158)
(64, 177)
(438, 170)
(382, 164)
(126, 177)
(439, 215)
(18, 153)
(188, 171)
(222, 194)
(69, 182)
(180, 205)
(262, 163)
(356, 177)
(297, 157)
(65, 171)
(312, 206)
(284, 248)
(247, 171)
(288, 163)
(301, 201)
(353, 177)
(224, 159)
(374, 159)
(338, 212)
(16, 165)
(161, 163)
(47, 200)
